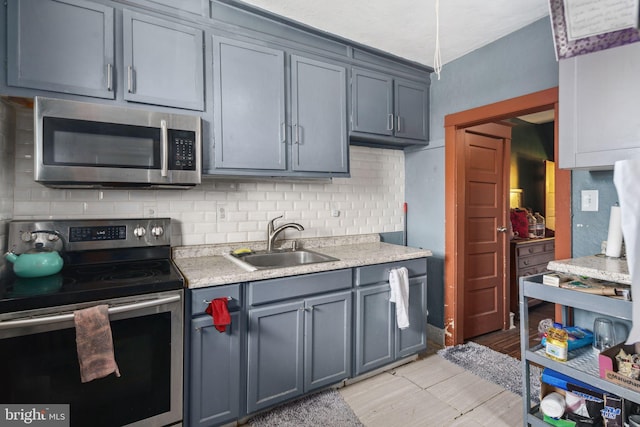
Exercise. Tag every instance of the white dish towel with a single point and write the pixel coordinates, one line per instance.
(399, 281)
(626, 176)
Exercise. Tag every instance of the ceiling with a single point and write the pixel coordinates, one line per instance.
(407, 28)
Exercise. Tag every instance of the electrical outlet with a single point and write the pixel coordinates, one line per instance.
(222, 212)
(589, 200)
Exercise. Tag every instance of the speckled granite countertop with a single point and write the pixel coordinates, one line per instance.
(596, 266)
(204, 265)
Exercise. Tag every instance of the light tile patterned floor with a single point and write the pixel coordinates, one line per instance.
(432, 392)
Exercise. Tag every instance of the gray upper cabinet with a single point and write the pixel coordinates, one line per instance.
(181, 7)
(388, 109)
(249, 106)
(252, 103)
(61, 46)
(163, 62)
(410, 100)
(319, 117)
(372, 98)
(599, 98)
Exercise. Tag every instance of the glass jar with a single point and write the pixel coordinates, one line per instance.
(532, 225)
(540, 225)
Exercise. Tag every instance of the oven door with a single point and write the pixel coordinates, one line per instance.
(40, 362)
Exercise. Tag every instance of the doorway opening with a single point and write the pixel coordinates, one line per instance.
(456, 246)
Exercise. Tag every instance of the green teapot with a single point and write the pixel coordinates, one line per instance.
(36, 262)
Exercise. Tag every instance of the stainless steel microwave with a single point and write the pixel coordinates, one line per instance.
(86, 145)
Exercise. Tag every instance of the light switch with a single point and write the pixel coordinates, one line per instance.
(589, 200)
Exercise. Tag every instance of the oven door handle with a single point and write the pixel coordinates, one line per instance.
(69, 316)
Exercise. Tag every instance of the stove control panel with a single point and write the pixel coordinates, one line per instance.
(89, 234)
(81, 235)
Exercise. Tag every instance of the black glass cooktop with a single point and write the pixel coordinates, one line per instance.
(89, 282)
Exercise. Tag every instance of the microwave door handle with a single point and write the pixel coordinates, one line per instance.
(164, 149)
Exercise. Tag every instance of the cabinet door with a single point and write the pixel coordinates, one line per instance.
(599, 100)
(414, 338)
(372, 98)
(374, 328)
(327, 352)
(215, 372)
(319, 116)
(275, 348)
(411, 110)
(249, 106)
(163, 62)
(61, 46)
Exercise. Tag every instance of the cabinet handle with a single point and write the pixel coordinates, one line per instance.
(307, 309)
(283, 132)
(502, 229)
(130, 79)
(398, 126)
(109, 77)
(296, 130)
(390, 122)
(209, 301)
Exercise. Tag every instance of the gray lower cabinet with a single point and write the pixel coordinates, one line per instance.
(296, 346)
(213, 360)
(61, 46)
(378, 341)
(163, 62)
(388, 107)
(251, 130)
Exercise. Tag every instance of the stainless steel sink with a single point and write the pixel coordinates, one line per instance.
(282, 258)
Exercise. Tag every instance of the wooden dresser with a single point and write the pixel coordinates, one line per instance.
(528, 257)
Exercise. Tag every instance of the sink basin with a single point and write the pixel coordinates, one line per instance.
(282, 258)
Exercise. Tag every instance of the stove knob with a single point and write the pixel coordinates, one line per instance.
(27, 236)
(139, 232)
(157, 231)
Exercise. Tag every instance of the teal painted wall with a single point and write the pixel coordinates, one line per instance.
(518, 64)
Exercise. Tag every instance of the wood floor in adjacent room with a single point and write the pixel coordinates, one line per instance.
(508, 342)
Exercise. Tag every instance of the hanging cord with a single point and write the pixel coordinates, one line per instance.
(437, 60)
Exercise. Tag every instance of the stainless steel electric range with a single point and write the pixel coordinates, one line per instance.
(124, 263)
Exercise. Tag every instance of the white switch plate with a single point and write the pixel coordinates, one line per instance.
(589, 200)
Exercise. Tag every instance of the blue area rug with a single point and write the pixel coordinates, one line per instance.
(493, 366)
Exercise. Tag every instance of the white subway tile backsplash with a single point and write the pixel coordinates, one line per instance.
(368, 202)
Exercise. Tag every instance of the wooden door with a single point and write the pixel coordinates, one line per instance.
(485, 149)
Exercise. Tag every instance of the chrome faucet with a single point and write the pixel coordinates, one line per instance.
(273, 233)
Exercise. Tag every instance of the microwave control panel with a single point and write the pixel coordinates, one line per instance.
(183, 150)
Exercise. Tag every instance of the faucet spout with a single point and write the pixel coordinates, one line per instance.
(272, 231)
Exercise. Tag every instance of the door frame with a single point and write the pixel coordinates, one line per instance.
(455, 211)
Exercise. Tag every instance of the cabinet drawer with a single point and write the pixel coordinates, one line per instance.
(535, 248)
(533, 270)
(380, 272)
(530, 261)
(272, 290)
(200, 297)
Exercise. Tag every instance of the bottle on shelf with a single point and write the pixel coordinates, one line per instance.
(540, 225)
(532, 224)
